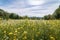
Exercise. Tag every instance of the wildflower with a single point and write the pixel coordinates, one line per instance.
(10, 33)
(15, 30)
(18, 28)
(4, 31)
(14, 39)
(52, 38)
(25, 37)
(32, 39)
(25, 32)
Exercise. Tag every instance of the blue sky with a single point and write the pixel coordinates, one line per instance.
(37, 8)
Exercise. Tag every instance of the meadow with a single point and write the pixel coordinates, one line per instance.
(30, 30)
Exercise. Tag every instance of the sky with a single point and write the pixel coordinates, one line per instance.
(37, 8)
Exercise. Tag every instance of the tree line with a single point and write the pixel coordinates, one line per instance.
(6, 15)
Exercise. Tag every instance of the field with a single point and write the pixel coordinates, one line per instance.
(30, 30)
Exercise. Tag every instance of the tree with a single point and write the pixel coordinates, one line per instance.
(56, 14)
(25, 17)
(3, 14)
(13, 16)
(48, 17)
(20, 17)
(6, 15)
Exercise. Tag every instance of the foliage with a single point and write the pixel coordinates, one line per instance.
(3, 14)
(56, 14)
(48, 17)
(6, 15)
(13, 16)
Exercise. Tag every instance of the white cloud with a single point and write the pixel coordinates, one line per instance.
(38, 10)
(36, 2)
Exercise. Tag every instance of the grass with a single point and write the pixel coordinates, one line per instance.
(30, 30)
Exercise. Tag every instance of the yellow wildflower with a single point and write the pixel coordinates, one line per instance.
(10, 33)
(52, 38)
(25, 37)
(25, 32)
(4, 31)
(18, 28)
(15, 30)
(32, 39)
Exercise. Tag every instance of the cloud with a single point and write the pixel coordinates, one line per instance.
(35, 2)
(25, 7)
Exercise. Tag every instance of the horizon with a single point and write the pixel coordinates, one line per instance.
(37, 8)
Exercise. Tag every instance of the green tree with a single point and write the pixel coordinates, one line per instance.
(48, 17)
(13, 16)
(25, 17)
(3, 14)
(56, 14)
